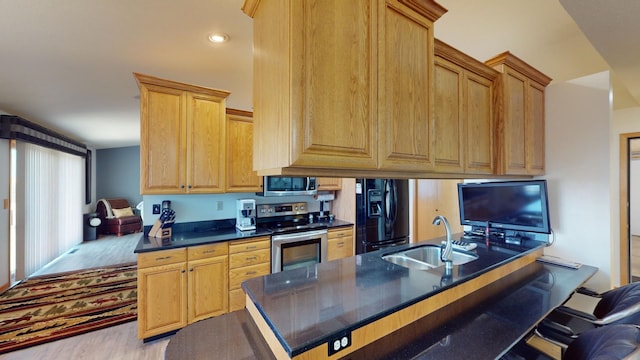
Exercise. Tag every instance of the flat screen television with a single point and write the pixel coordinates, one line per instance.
(509, 205)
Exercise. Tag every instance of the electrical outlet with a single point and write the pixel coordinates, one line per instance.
(339, 342)
(219, 205)
(156, 209)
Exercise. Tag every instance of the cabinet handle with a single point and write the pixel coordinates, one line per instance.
(183, 271)
(341, 244)
(163, 258)
(191, 270)
(190, 186)
(252, 258)
(251, 272)
(208, 251)
(181, 186)
(250, 247)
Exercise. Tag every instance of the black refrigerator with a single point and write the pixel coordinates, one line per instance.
(382, 213)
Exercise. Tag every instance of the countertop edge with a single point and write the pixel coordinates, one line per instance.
(186, 239)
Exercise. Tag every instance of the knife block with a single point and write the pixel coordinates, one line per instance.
(157, 231)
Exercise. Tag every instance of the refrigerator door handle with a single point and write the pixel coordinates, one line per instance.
(394, 201)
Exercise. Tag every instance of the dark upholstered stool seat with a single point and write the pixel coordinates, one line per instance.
(608, 342)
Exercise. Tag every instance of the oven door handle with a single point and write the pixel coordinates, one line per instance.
(299, 235)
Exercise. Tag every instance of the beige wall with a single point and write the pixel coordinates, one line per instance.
(578, 118)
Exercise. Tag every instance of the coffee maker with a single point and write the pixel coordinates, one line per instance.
(246, 214)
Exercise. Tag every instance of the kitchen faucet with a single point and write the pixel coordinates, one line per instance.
(446, 254)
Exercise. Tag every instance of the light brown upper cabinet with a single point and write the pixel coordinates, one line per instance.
(343, 87)
(520, 147)
(240, 174)
(464, 114)
(329, 183)
(182, 140)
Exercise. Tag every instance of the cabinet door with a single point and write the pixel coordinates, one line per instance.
(436, 197)
(208, 288)
(162, 299)
(240, 174)
(315, 85)
(514, 132)
(206, 150)
(328, 183)
(162, 139)
(448, 116)
(535, 129)
(340, 243)
(405, 68)
(479, 124)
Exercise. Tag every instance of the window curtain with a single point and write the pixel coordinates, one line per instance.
(52, 193)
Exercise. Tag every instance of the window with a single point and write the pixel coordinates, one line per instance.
(49, 199)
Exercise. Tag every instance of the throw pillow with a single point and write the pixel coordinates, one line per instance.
(122, 212)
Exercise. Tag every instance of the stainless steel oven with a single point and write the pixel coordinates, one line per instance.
(296, 240)
(298, 249)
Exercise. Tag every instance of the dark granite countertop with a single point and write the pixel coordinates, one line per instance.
(307, 306)
(491, 328)
(485, 331)
(191, 236)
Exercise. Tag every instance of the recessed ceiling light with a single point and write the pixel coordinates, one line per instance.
(218, 38)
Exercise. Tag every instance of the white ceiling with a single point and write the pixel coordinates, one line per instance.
(68, 64)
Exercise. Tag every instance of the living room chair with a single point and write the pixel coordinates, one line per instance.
(117, 217)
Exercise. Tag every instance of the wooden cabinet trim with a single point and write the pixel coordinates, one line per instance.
(148, 79)
(514, 62)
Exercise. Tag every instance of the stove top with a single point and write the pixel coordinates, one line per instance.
(292, 227)
(286, 218)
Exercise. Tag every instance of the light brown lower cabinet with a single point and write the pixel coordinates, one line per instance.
(340, 243)
(177, 287)
(247, 259)
(180, 286)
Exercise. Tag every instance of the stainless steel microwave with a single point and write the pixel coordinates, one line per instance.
(284, 186)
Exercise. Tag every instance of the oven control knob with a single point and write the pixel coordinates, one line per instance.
(295, 208)
(302, 208)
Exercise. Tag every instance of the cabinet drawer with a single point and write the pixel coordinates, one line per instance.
(334, 234)
(249, 258)
(163, 257)
(339, 248)
(237, 276)
(237, 299)
(207, 251)
(250, 245)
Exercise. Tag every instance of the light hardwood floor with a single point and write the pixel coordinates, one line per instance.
(116, 342)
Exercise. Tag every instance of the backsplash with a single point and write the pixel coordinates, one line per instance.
(204, 207)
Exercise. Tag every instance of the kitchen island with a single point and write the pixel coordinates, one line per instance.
(380, 307)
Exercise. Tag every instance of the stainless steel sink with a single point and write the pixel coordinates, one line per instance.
(426, 257)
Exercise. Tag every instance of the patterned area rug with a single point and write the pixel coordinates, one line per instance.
(48, 308)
